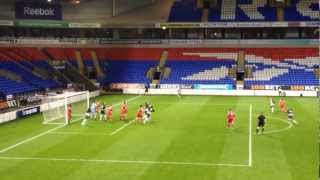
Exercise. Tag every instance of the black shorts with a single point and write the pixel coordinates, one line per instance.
(87, 116)
(261, 124)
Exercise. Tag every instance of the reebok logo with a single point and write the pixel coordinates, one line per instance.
(38, 11)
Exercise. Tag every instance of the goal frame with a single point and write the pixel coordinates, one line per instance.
(66, 101)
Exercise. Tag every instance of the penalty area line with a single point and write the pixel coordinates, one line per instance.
(34, 137)
(122, 127)
(124, 161)
(30, 139)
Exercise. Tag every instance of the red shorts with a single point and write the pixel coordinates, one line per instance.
(231, 121)
(123, 114)
(109, 115)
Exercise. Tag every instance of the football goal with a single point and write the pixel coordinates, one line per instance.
(55, 110)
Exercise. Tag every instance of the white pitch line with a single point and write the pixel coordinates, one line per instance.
(122, 127)
(79, 133)
(127, 124)
(34, 137)
(131, 99)
(49, 131)
(30, 139)
(53, 123)
(279, 130)
(250, 136)
(124, 161)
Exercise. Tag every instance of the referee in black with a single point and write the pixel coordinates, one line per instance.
(261, 122)
(146, 89)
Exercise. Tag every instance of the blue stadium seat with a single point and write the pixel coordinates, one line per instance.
(127, 71)
(10, 87)
(285, 72)
(193, 72)
(185, 11)
(244, 10)
(29, 77)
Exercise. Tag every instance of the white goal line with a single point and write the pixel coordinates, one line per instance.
(205, 164)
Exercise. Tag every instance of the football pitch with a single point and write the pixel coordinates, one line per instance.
(187, 139)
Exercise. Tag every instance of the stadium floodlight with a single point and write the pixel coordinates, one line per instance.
(55, 108)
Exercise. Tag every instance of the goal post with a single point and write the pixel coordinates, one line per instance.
(56, 107)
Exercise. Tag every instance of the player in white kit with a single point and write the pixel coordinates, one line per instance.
(272, 104)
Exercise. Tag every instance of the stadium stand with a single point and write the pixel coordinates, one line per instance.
(302, 10)
(185, 11)
(286, 66)
(207, 65)
(87, 58)
(8, 86)
(28, 76)
(185, 68)
(270, 66)
(70, 55)
(211, 65)
(128, 71)
(24, 67)
(199, 72)
(128, 65)
(245, 10)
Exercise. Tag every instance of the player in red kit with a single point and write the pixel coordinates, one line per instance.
(69, 113)
(110, 113)
(124, 111)
(231, 118)
(140, 113)
(283, 105)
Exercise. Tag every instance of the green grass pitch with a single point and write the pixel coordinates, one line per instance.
(187, 139)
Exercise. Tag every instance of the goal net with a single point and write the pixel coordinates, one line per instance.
(56, 107)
